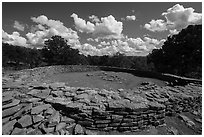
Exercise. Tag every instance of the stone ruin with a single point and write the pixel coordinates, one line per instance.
(56, 108)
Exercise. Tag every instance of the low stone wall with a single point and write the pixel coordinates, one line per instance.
(41, 72)
(55, 108)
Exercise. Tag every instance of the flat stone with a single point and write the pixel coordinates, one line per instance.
(198, 120)
(19, 131)
(58, 93)
(13, 103)
(40, 93)
(37, 118)
(5, 120)
(54, 118)
(11, 111)
(31, 100)
(8, 127)
(7, 99)
(89, 132)
(40, 108)
(156, 106)
(173, 131)
(67, 119)
(56, 85)
(188, 122)
(35, 132)
(70, 128)
(24, 110)
(60, 126)
(78, 130)
(25, 121)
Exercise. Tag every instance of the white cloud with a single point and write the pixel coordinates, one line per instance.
(82, 25)
(177, 18)
(14, 39)
(94, 18)
(18, 26)
(125, 45)
(46, 28)
(132, 17)
(108, 27)
(156, 25)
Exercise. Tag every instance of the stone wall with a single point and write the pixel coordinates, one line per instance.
(59, 109)
(54, 108)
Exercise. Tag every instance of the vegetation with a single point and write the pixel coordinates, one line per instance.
(181, 54)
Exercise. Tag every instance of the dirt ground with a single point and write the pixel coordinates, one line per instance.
(102, 79)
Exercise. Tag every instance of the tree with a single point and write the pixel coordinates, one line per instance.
(57, 52)
(181, 54)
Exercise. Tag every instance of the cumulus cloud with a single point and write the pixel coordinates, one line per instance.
(132, 17)
(107, 28)
(156, 25)
(177, 18)
(82, 25)
(46, 28)
(94, 18)
(125, 45)
(18, 26)
(14, 39)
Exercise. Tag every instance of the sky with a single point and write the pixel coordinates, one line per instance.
(131, 28)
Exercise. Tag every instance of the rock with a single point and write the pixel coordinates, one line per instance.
(89, 74)
(54, 118)
(31, 100)
(5, 120)
(7, 99)
(19, 131)
(24, 110)
(89, 132)
(70, 128)
(78, 130)
(11, 111)
(8, 127)
(198, 120)
(156, 106)
(56, 85)
(35, 132)
(188, 122)
(25, 121)
(40, 108)
(60, 126)
(67, 119)
(37, 118)
(58, 93)
(173, 131)
(12, 104)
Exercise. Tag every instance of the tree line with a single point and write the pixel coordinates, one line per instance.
(181, 54)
